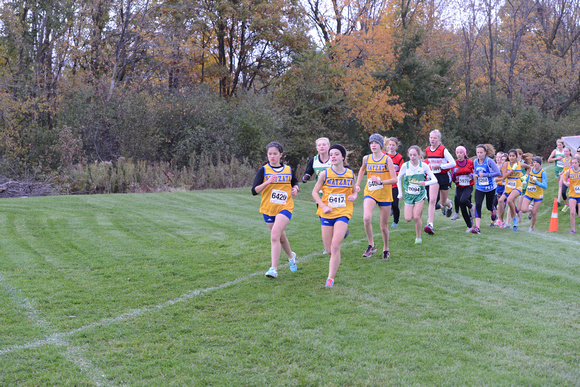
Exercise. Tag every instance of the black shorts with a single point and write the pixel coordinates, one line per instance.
(444, 180)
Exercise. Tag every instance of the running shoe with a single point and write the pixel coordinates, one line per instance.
(292, 262)
(329, 283)
(324, 251)
(565, 208)
(386, 254)
(418, 241)
(370, 251)
(272, 273)
(492, 224)
(449, 209)
(530, 229)
(515, 225)
(395, 224)
(429, 229)
(455, 216)
(469, 229)
(493, 215)
(530, 216)
(476, 230)
(437, 206)
(572, 232)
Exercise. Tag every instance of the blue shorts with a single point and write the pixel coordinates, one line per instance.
(271, 219)
(532, 199)
(507, 195)
(381, 204)
(499, 190)
(331, 222)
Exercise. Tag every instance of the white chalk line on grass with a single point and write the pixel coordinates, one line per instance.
(72, 354)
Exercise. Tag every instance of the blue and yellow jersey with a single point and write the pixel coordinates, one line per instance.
(574, 184)
(335, 191)
(276, 197)
(566, 164)
(380, 168)
(514, 179)
(534, 191)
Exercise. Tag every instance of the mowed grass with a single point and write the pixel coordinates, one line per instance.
(158, 289)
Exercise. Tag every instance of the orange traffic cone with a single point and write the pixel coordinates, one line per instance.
(554, 218)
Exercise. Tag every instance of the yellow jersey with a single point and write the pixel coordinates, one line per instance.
(514, 179)
(574, 184)
(380, 168)
(276, 197)
(335, 191)
(534, 191)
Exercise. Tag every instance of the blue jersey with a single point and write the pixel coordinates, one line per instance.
(490, 171)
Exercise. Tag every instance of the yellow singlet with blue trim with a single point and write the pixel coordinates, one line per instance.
(534, 191)
(514, 179)
(276, 197)
(574, 184)
(380, 192)
(335, 191)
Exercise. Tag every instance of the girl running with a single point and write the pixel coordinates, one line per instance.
(499, 191)
(557, 156)
(335, 207)
(563, 188)
(320, 162)
(277, 184)
(380, 172)
(392, 145)
(485, 171)
(571, 179)
(441, 162)
(412, 182)
(513, 186)
(537, 183)
(464, 180)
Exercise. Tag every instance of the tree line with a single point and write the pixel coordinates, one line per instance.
(167, 81)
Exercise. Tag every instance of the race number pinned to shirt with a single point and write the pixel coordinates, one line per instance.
(511, 184)
(464, 180)
(435, 165)
(483, 180)
(279, 197)
(336, 200)
(373, 186)
(577, 189)
(413, 189)
(532, 188)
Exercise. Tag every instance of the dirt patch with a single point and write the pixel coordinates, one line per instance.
(22, 189)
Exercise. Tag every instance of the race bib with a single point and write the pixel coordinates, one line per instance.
(483, 180)
(464, 180)
(532, 188)
(337, 200)
(577, 189)
(511, 184)
(435, 165)
(278, 197)
(414, 189)
(560, 164)
(373, 186)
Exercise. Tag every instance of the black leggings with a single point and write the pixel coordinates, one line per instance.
(463, 195)
(564, 191)
(489, 200)
(395, 206)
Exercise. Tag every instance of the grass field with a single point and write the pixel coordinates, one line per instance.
(159, 289)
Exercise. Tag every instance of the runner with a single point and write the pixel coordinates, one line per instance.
(537, 183)
(277, 184)
(440, 161)
(412, 182)
(319, 162)
(335, 207)
(499, 191)
(392, 145)
(463, 177)
(571, 179)
(557, 156)
(485, 170)
(563, 188)
(513, 186)
(380, 172)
